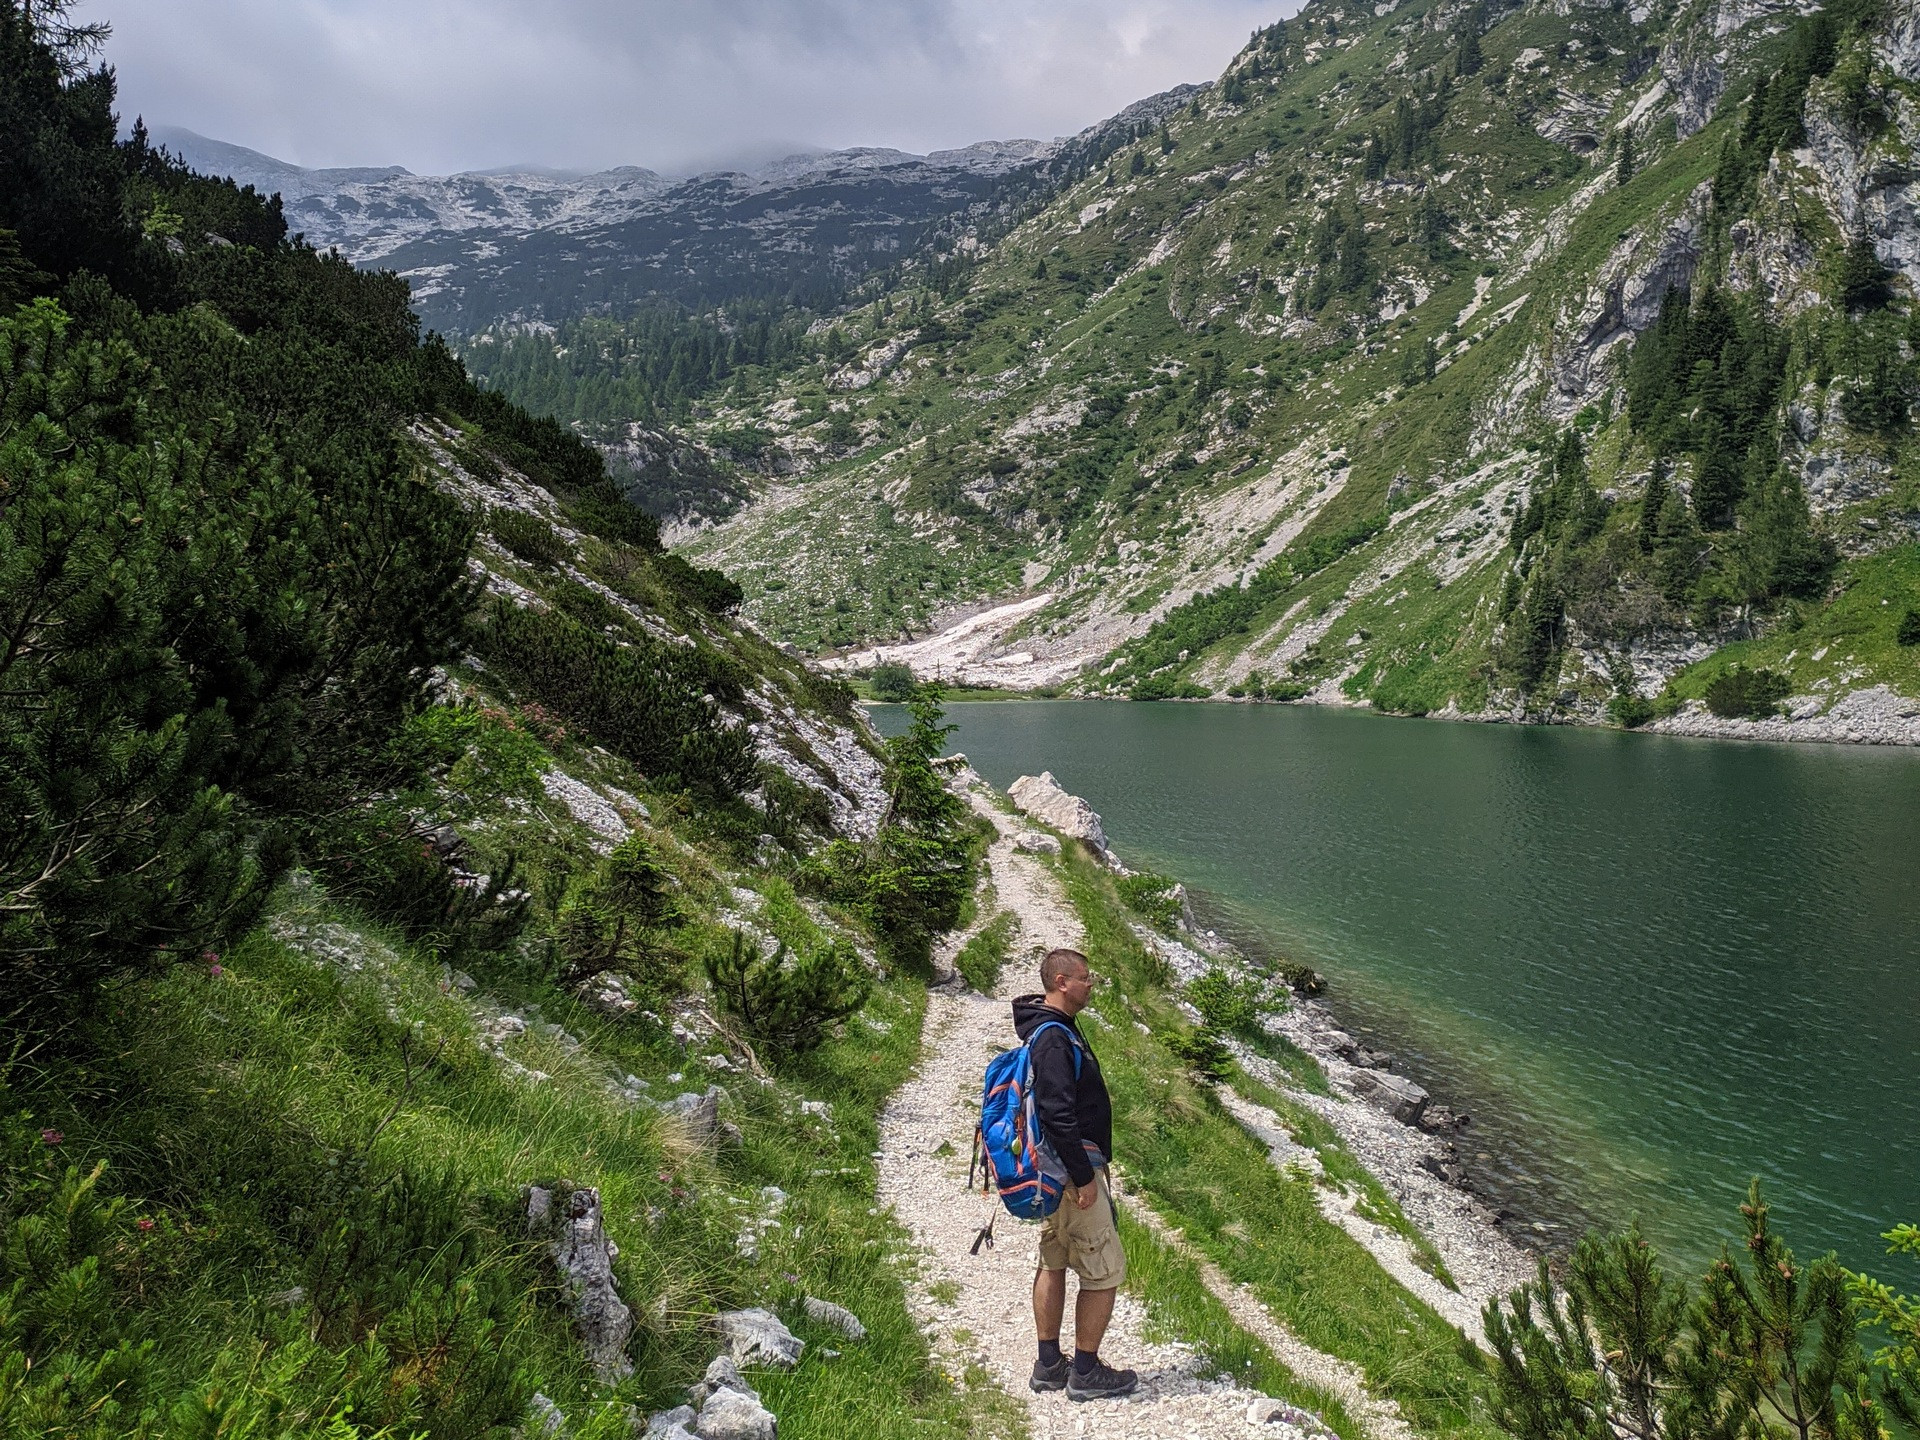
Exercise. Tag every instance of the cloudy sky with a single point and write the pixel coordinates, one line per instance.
(441, 85)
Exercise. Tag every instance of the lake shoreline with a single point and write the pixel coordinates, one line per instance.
(1472, 1157)
(1418, 1164)
(1875, 717)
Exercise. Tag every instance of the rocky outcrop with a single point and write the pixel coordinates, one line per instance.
(584, 1256)
(825, 1312)
(1870, 183)
(1623, 299)
(1876, 716)
(1395, 1094)
(1696, 81)
(1041, 797)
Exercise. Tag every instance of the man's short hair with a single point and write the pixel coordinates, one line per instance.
(1056, 963)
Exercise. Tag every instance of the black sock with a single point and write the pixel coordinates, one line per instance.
(1084, 1361)
(1049, 1352)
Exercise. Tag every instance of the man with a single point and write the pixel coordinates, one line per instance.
(1076, 1120)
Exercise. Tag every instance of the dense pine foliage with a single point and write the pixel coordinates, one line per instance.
(224, 584)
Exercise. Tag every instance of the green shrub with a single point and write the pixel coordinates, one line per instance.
(785, 1003)
(1742, 694)
(894, 684)
(711, 590)
(985, 954)
(1204, 1054)
(399, 1255)
(481, 754)
(612, 918)
(1156, 897)
(383, 860)
(649, 701)
(1909, 631)
(1226, 1004)
(910, 882)
(527, 537)
(1630, 710)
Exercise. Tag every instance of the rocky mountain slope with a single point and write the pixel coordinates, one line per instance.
(521, 245)
(1545, 360)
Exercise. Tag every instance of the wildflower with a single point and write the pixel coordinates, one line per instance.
(215, 971)
(143, 1225)
(52, 1137)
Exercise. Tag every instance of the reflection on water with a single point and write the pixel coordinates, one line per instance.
(1653, 967)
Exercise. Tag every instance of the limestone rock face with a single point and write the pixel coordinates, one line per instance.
(1624, 299)
(1872, 184)
(1041, 797)
(1696, 81)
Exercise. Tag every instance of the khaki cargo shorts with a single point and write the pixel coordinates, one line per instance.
(1085, 1240)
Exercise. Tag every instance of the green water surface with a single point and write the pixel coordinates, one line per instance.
(1650, 967)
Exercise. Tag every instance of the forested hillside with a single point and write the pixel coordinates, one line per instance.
(1531, 360)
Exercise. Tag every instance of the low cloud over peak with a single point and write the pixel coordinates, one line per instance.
(445, 85)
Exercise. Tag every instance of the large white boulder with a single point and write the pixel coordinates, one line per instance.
(1041, 797)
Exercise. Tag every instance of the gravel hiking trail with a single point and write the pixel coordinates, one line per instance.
(978, 1309)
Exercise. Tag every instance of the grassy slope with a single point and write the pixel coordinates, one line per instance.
(321, 1147)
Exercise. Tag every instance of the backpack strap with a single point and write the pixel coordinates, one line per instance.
(1073, 1039)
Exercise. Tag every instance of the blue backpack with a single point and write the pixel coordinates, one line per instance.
(1009, 1152)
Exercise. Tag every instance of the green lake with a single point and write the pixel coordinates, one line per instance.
(1651, 968)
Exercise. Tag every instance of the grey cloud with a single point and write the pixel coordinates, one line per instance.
(440, 85)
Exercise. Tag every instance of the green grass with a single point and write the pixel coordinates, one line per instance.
(1848, 645)
(246, 1114)
(1210, 1179)
(980, 960)
(1180, 1307)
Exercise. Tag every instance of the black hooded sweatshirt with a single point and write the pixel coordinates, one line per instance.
(1071, 1111)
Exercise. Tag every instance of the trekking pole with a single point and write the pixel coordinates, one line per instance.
(985, 1237)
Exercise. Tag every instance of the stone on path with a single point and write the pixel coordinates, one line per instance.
(1041, 797)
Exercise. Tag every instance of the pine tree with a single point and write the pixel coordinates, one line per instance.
(1467, 59)
(1624, 167)
(1651, 504)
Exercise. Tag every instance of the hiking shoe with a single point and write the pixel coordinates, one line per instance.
(1050, 1377)
(1103, 1382)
